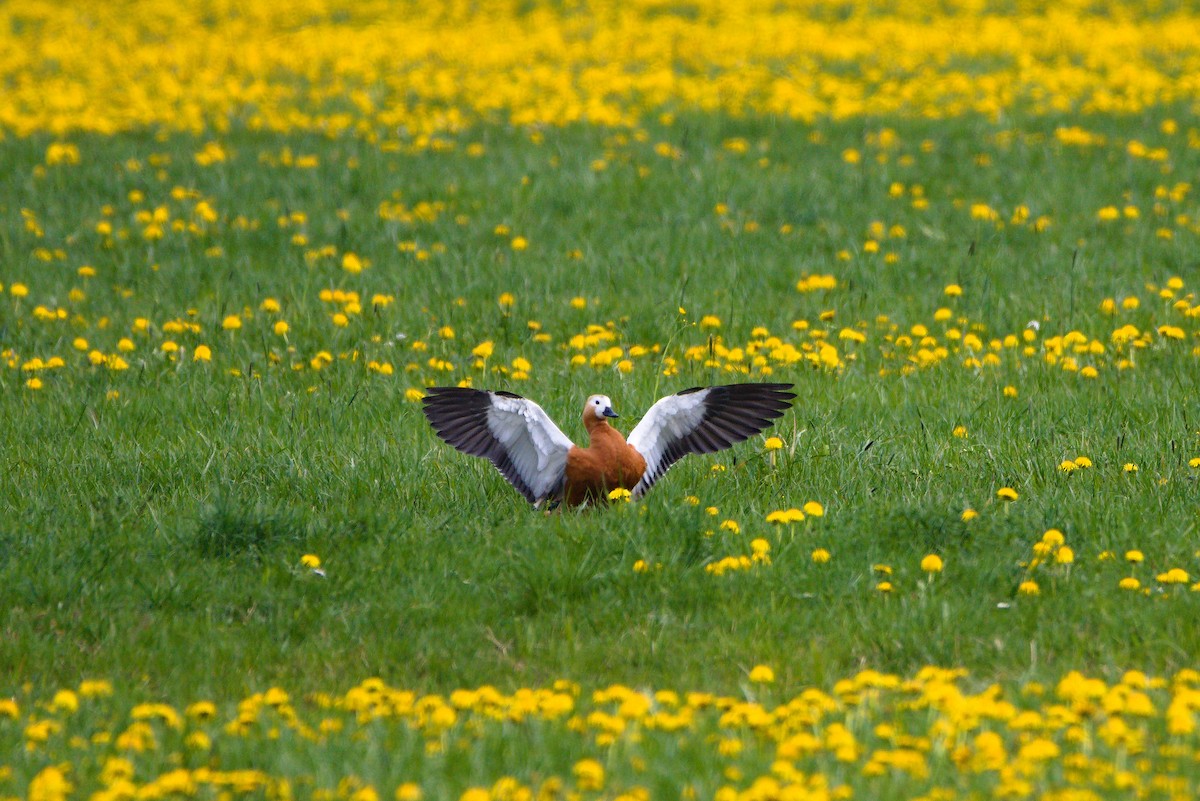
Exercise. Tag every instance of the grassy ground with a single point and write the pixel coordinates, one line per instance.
(212, 351)
(159, 511)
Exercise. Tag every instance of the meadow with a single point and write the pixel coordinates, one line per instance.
(238, 242)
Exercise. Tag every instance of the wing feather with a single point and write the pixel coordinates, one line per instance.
(704, 420)
(513, 433)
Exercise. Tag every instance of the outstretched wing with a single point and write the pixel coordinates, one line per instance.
(703, 420)
(513, 433)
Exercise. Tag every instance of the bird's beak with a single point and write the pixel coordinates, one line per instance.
(608, 412)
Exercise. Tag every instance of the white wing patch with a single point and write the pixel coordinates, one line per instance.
(667, 422)
(534, 444)
(511, 432)
(703, 420)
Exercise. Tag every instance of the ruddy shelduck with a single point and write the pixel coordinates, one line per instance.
(529, 450)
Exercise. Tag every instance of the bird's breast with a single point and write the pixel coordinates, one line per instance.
(605, 465)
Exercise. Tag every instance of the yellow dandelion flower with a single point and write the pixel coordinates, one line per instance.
(821, 556)
(814, 509)
(1007, 494)
(762, 674)
(932, 563)
(1175, 575)
(1053, 537)
(1029, 587)
(968, 515)
(773, 443)
(202, 353)
(1129, 583)
(231, 322)
(622, 494)
(409, 791)
(589, 774)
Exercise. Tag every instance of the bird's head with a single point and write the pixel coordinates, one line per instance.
(598, 406)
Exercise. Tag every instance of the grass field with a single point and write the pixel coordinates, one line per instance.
(236, 561)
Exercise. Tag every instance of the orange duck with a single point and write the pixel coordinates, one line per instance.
(529, 450)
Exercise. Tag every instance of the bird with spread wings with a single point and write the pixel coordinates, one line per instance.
(519, 438)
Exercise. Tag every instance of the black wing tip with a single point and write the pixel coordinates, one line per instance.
(768, 394)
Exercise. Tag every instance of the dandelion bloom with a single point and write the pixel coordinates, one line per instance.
(762, 674)
(1029, 587)
(310, 561)
(409, 791)
(1129, 583)
(1064, 556)
(1175, 575)
(1053, 537)
(589, 774)
(932, 563)
(620, 494)
(814, 509)
(1134, 556)
(231, 322)
(773, 443)
(1007, 494)
(884, 587)
(969, 514)
(821, 556)
(202, 353)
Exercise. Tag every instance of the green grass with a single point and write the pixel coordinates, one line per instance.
(154, 539)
